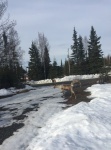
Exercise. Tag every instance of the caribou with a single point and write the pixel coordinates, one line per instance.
(70, 87)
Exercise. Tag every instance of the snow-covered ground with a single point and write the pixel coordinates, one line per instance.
(85, 126)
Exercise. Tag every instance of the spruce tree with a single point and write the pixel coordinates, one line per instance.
(81, 56)
(46, 62)
(34, 63)
(95, 54)
(66, 68)
(54, 68)
(74, 47)
(61, 69)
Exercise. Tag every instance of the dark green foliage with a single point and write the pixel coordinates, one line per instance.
(10, 70)
(39, 65)
(38, 70)
(59, 74)
(74, 54)
(107, 60)
(81, 53)
(53, 69)
(11, 77)
(95, 54)
(74, 47)
(35, 68)
(46, 62)
(86, 62)
(78, 55)
(61, 69)
(81, 56)
(66, 68)
(72, 68)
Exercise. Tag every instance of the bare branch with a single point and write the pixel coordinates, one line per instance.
(3, 8)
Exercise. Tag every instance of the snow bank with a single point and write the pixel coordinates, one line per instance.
(43, 81)
(80, 77)
(84, 126)
(12, 90)
(66, 78)
(5, 92)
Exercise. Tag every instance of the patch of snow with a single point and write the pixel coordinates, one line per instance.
(5, 92)
(28, 87)
(13, 90)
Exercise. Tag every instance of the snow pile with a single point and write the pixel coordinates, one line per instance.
(12, 90)
(43, 81)
(84, 126)
(5, 92)
(66, 78)
(80, 77)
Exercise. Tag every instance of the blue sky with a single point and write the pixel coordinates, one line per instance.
(56, 19)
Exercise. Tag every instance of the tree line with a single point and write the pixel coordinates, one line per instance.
(86, 55)
(89, 60)
(40, 66)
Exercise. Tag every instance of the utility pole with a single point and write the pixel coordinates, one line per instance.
(68, 61)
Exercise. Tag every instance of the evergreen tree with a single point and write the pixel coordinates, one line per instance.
(74, 62)
(81, 56)
(81, 53)
(69, 62)
(53, 69)
(74, 47)
(72, 67)
(66, 68)
(95, 54)
(61, 69)
(34, 63)
(43, 47)
(46, 62)
(107, 60)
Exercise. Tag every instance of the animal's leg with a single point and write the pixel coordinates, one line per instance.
(72, 92)
(80, 84)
